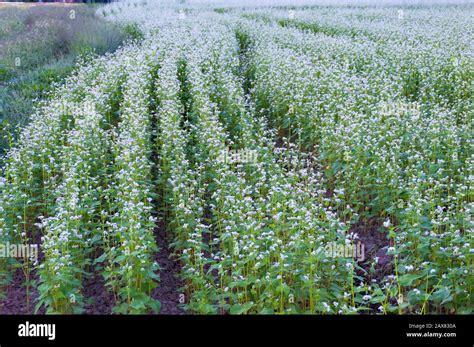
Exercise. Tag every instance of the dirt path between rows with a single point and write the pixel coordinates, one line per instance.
(15, 295)
(97, 299)
(168, 290)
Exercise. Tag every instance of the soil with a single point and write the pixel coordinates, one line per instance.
(98, 299)
(15, 296)
(376, 243)
(16, 292)
(168, 290)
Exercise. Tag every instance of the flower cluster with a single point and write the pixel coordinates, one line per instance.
(358, 121)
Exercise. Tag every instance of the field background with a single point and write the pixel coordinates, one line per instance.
(216, 157)
(40, 44)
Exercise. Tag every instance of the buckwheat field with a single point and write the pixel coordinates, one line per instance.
(301, 158)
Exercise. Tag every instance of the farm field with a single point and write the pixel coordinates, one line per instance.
(40, 45)
(294, 159)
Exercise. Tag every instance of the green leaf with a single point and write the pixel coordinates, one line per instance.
(240, 309)
(267, 311)
(155, 305)
(121, 309)
(407, 279)
(441, 296)
(78, 310)
(101, 258)
(138, 305)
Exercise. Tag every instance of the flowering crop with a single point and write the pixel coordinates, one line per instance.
(347, 127)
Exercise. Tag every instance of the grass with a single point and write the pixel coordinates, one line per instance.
(40, 44)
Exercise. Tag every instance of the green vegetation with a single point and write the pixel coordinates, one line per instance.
(309, 162)
(39, 46)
